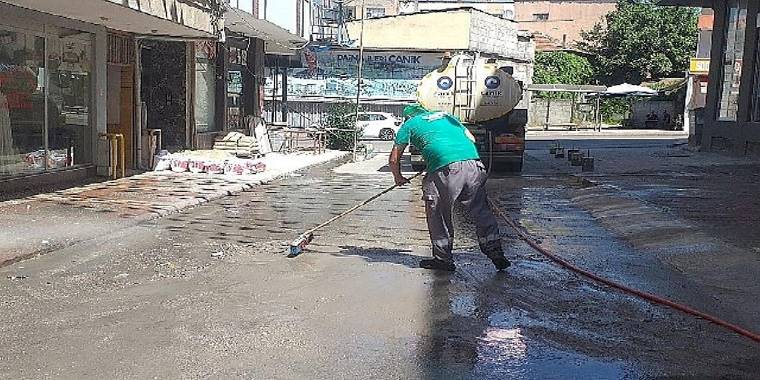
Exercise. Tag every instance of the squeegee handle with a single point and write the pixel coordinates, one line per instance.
(352, 209)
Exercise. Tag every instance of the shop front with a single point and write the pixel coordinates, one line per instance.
(46, 97)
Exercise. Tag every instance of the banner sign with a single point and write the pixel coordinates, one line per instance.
(387, 74)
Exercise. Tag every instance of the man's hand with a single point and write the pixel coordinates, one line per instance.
(401, 180)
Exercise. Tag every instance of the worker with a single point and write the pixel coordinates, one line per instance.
(454, 173)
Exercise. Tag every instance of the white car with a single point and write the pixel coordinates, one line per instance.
(379, 125)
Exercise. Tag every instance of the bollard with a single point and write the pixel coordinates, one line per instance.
(588, 164)
(576, 159)
(571, 152)
(553, 147)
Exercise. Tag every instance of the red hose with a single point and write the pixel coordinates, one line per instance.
(641, 294)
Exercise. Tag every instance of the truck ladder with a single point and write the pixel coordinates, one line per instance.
(464, 87)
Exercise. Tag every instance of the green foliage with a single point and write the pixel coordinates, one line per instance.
(560, 67)
(341, 118)
(614, 110)
(640, 41)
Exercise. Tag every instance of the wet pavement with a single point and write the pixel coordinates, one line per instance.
(208, 293)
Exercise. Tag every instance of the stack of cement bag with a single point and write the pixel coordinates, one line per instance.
(238, 144)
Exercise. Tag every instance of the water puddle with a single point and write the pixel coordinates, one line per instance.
(505, 351)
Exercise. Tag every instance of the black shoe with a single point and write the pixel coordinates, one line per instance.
(437, 264)
(500, 262)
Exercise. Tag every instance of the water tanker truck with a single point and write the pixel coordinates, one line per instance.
(486, 98)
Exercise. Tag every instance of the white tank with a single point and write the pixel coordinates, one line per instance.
(471, 89)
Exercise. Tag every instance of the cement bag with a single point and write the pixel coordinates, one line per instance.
(161, 163)
(262, 138)
(197, 166)
(235, 167)
(254, 167)
(180, 164)
(214, 166)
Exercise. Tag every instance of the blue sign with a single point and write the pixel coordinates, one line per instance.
(493, 82)
(445, 83)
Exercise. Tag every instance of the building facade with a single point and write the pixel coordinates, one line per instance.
(70, 74)
(562, 21)
(731, 119)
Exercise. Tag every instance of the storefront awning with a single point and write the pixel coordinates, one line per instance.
(185, 21)
(278, 41)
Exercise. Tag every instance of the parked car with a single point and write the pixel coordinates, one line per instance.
(380, 125)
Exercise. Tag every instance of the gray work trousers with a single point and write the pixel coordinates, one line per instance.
(462, 181)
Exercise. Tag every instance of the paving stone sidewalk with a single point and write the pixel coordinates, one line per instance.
(47, 222)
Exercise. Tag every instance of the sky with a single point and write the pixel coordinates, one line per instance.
(282, 13)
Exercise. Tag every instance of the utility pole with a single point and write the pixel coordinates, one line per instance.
(359, 80)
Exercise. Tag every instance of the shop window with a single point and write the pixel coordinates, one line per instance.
(22, 103)
(69, 133)
(733, 51)
(349, 13)
(45, 100)
(375, 12)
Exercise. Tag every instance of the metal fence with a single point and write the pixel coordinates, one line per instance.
(305, 113)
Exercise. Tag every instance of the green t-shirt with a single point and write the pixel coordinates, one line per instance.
(440, 137)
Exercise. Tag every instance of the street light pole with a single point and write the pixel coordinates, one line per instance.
(359, 80)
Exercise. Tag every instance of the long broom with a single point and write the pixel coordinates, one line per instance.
(297, 246)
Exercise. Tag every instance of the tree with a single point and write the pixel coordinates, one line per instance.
(561, 67)
(641, 41)
(341, 119)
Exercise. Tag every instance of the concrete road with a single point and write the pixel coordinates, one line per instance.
(208, 293)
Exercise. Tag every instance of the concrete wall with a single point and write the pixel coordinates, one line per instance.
(457, 30)
(559, 113)
(431, 31)
(566, 18)
(498, 36)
